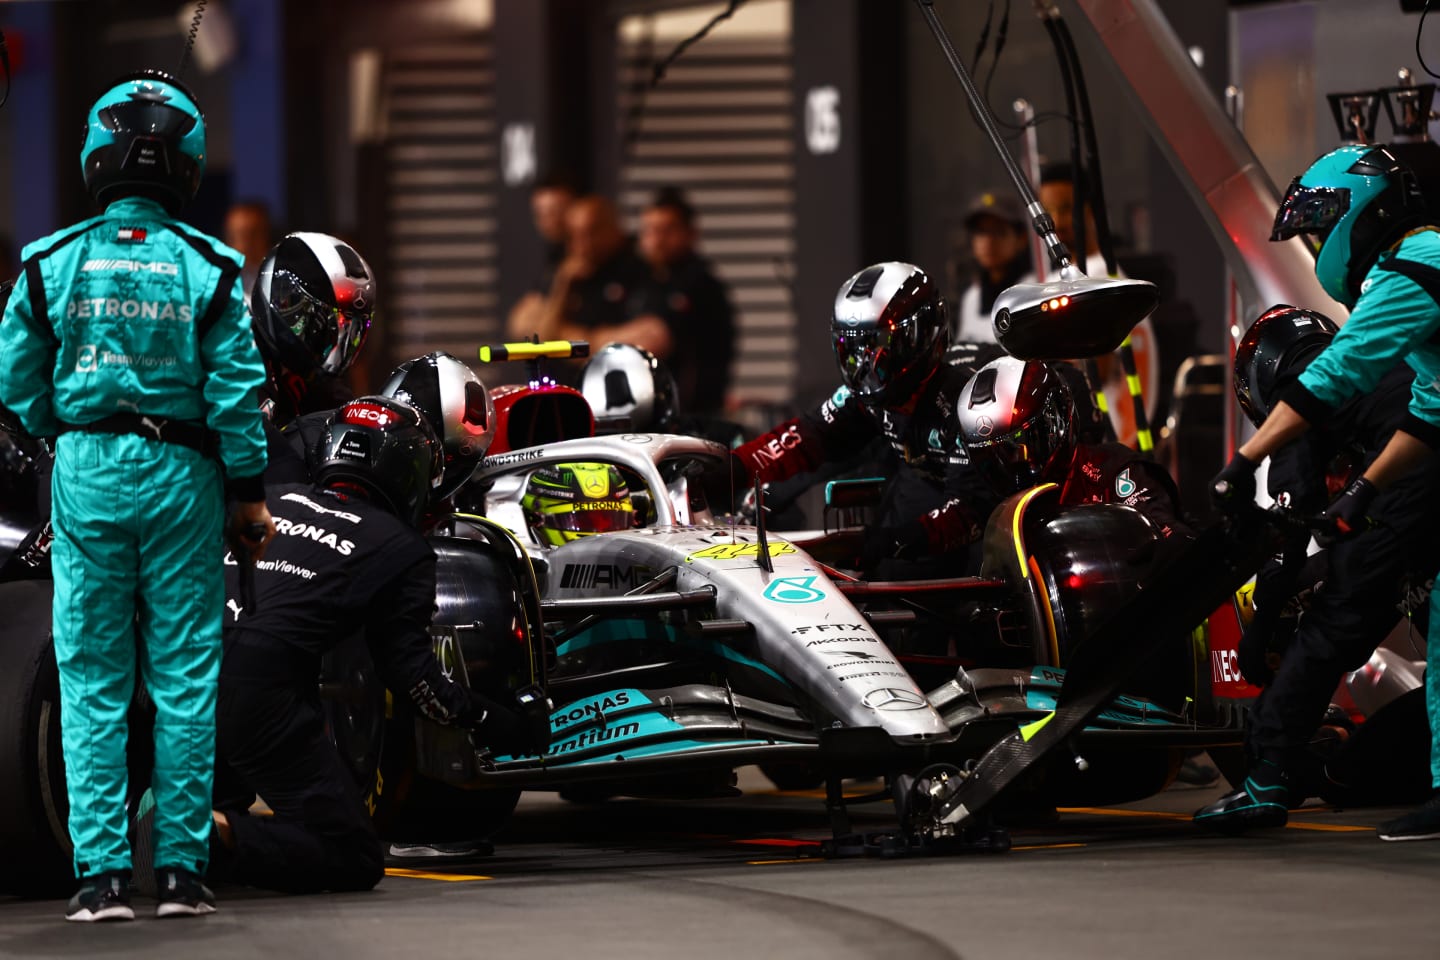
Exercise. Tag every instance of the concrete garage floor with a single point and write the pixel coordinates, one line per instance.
(637, 879)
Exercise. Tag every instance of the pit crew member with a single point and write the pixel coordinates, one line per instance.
(126, 337)
(1376, 256)
(890, 332)
(1356, 607)
(348, 557)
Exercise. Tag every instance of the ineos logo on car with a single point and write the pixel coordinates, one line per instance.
(893, 698)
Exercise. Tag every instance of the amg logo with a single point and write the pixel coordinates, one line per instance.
(591, 737)
(134, 266)
(580, 576)
(303, 500)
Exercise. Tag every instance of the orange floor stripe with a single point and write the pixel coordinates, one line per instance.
(773, 863)
(426, 875)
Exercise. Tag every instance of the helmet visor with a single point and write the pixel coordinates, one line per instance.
(595, 516)
(1009, 463)
(872, 359)
(1310, 210)
(332, 336)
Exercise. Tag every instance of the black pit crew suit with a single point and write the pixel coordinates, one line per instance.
(1363, 577)
(935, 502)
(339, 565)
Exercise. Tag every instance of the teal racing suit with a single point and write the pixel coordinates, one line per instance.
(132, 318)
(1396, 317)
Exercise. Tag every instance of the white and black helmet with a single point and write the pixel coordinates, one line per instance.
(889, 331)
(312, 304)
(457, 405)
(625, 382)
(1017, 420)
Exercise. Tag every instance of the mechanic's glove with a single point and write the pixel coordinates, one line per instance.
(1234, 487)
(520, 731)
(905, 542)
(1346, 517)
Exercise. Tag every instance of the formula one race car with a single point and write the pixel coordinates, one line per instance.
(678, 645)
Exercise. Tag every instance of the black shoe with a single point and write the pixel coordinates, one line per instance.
(105, 896)
(1421, 824)
(142, 845)
(1262, 802)
(182, 894)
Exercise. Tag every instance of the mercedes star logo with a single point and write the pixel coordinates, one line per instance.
(891, 698)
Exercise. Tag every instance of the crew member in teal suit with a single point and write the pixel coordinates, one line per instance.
(127, 342)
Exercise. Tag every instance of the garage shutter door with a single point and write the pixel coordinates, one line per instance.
(720, 126)
(440, 174)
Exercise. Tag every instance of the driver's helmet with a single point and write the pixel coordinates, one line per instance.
(1017, 420)
(145, 136)
(626, 381)
(312, 305)
(566, 501)
(1354, 202)
(889, 331)
(458, 406)
(1278, 345)
(387, 448)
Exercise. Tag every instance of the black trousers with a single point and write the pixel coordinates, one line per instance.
(270, 740)
(1349, 615)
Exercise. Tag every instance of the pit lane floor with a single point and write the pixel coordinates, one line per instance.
(727, 879)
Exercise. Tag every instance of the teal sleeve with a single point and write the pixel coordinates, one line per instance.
(1392, 317)
(233, 375)
(27, 371)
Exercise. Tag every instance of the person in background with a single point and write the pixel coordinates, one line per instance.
(550, 200)
(685, 293)
(248, 230)
(590, 298)
(147, 381)
(1057, 194)
(998, 244)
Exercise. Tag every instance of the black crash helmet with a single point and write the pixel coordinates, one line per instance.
(1017, 420)
(889, 331)
(1278, 345)
(385, 447)
(458, 407)
(312, 305)
(627, 383)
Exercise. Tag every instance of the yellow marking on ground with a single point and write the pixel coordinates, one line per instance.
(776, 863)
(1166, 815)
(426, 875)
(1049, 846)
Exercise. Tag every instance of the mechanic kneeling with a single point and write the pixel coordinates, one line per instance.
(1018, 422)
(348, 557)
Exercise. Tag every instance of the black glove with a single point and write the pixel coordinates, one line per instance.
(520, 731)
(1234, 487)
(1346, 517)
(904, 542)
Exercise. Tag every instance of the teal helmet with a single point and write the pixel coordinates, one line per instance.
(145, 136)
(1354, 202)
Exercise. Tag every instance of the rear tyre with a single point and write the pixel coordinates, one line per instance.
(33, 806)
